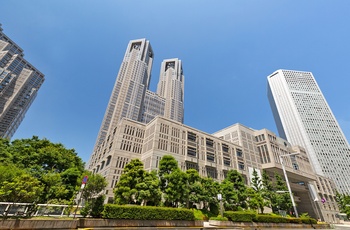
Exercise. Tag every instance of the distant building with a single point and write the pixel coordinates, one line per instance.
(304, 118)
(131, 97)
(19, 85)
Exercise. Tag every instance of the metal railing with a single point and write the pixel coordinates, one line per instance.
(31, 209)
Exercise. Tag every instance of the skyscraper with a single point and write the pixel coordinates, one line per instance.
(131, 97)
(130, 87)
(19, 84)
(304, 118)
(171, 87)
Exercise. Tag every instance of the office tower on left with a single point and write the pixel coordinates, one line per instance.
(19, 85)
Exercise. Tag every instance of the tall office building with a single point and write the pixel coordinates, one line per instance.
(19, 84)
(130, 87)
(304, 118)
(131, 97)
(171, 87)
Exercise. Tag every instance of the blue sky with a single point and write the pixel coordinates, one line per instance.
(228, 48)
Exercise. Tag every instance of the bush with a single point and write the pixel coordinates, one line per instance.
(240, 216)
(294, 220)
(307, 220)
(199, 215)
(270, 219)
(93, 207)
(219, 218)
(113, 211)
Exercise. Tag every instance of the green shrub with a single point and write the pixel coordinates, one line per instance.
(93, 207)
(214, 209)
(307, 220)
(113, 211)
(270, 219)
(240, 216)
(294, 220)
(199, 214)
(219, 218)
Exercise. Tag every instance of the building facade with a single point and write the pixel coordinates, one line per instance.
(213, 155)
(193, 149)
(131, 97)
(312, 194)
(303, 117)
(19, 85)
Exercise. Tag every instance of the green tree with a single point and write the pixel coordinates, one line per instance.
(149, 190)
(195, 187)
(54, 188)
(95, 185)
(167, 165)
(255, 193)
(343, 202)
(91, 193)
(125, 191)
(234, 191)
(22, 188)
(211, 189)
(56, 167)
(174, 182)
(5, 156)
(176, 190)
(268, 191)
(282, 200)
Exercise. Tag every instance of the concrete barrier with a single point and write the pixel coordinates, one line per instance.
(34, 224)
(26, 224)
(248, 225)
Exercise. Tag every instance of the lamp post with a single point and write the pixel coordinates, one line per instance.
(287, 182)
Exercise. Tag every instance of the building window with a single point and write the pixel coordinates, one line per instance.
(108, 160)
(295, 166)
(211, 172)
(191, 165)
(191, 151)
(239, 152)
(210, 157)
(102, 164)
(225, 148)
(191, 136)
(209, 142)
(240, 165)
(227, 161)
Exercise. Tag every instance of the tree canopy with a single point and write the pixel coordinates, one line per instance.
(38, 170)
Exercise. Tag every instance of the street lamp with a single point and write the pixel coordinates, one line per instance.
(286, 177)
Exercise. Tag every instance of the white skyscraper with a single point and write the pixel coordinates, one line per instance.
(130, 87)
(171, 87)
(304, 118)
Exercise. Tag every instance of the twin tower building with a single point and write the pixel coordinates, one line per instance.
(142, 124)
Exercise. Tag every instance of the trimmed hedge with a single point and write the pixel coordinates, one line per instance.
(113, 211)
(308, 220)
(294, 220)
(270, 219)
(240, 216)
(219, 218)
